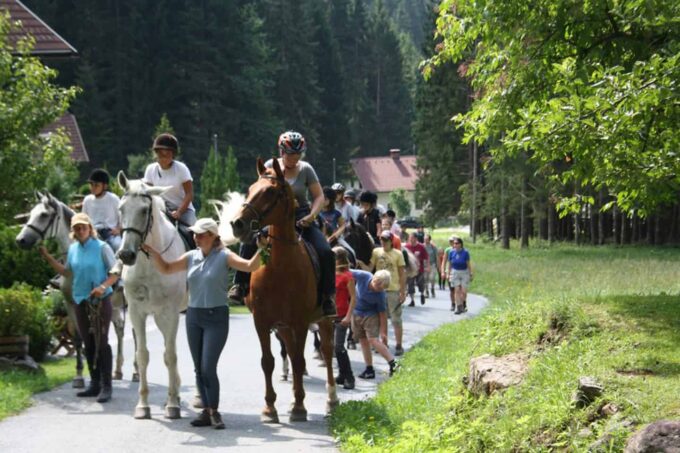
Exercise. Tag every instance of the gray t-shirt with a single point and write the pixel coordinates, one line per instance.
(301, 183)
(208, 279)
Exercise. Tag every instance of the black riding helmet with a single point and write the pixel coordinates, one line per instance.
(166, 141)
(329, 193)
(99, 175)
(291, 142)
(368, 197)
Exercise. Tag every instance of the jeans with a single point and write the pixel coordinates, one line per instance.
(344, 365)
(207, 332)
(314, 236)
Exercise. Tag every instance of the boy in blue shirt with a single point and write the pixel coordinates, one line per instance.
(369, 319)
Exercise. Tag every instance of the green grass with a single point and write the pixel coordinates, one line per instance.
(17, 387)
(619, 314)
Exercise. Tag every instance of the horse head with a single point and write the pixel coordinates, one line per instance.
(359, 239)
(269, 202)
(48, 218)
(139, 206)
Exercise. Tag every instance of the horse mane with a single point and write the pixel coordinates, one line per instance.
(226, 211)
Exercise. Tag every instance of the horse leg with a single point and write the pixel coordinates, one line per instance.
(135, 374)
(269, 414)
(118, 319)
(78, 381)
(142, 410)
(168, 324)
(284, 357)
(298, 412)
(326, 333)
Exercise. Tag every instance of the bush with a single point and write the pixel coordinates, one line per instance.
(21, 265)
(24, 311)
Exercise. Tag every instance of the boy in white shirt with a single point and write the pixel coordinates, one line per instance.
(101, 206)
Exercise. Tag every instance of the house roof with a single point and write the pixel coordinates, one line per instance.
(70, 125)
(47, 41)
(386, 173)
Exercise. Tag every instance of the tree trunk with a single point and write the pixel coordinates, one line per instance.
(600, 219)
(615, 225)
(624, 228)
(524, 218)
(551, 222)
(505, 230)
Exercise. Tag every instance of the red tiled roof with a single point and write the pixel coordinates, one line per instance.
(70, 125)
(385, 174)
(47, 41)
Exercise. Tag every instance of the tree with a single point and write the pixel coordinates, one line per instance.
(219, 176)
(30, 101)
(591, 85)
(400, 203)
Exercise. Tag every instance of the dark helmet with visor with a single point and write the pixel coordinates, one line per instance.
(99, 175)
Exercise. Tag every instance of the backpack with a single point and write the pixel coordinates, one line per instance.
(412, 265)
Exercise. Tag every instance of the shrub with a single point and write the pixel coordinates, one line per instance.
(24, 311)
(21, 265)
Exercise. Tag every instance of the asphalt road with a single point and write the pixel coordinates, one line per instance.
(58, 421)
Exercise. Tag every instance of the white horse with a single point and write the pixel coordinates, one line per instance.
(51, 219)
(149, 292)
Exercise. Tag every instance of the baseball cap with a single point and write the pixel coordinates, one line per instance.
(386, 235)
(203, 225)
(80, 219)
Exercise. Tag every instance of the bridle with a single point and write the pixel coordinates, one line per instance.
(43, 233)
(260, 215)
(149, 223)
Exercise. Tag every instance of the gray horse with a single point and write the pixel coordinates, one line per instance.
(51, 219)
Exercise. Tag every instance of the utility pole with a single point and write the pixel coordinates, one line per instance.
(215, 143)
(334, 181)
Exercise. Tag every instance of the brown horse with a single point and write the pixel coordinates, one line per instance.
(283, 293)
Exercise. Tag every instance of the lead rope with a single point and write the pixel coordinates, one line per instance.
(94, 316)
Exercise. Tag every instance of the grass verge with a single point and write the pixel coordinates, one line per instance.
(610, 313)
(17, 387)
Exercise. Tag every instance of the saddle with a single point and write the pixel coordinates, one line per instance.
(183, 229)
(314, 257)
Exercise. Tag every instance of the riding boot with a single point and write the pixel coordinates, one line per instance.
(106, 365)
(328, 306)
(95, 377)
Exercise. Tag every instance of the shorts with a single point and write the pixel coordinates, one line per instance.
(365, 327)
(394, 308)
(459, 278)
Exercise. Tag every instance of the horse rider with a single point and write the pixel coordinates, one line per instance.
(302, 179)
(90, 262)
(346, 207)
(102, 208)
(167, 171)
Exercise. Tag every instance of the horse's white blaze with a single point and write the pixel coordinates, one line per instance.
(148, 291)
(226, 211)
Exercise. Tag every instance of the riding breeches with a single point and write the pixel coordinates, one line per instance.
(104, 363)
(207, 332)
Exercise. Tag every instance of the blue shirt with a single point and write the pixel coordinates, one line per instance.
(459, 259)
(329, 219)
(369, 302)
(208, 279)
(90, 264)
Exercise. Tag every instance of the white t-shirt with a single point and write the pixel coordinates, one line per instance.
(174, 177)
(103, 211)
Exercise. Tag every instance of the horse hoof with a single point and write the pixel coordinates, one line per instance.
(78, 382)
(135, 377)
(117, 376)
(197, 403)
(172, 412)
(269, 417)
(142, 413)
(298, 415)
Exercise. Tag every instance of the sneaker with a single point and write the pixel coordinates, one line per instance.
(458, 311)
(412, 304)
(328, 307)
(453, 308)
(236, 293)
(394, 367)
(349, 384)
(203, 419)
(398, 350)
(340, 380)
(216, 420)
(368, 373)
